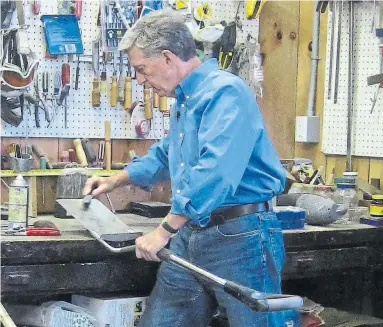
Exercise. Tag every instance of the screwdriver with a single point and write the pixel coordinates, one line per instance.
(148, 112)
(96, 82)
(57, 83)
(121, 81)
(128, 91)
(77, 73)
(103, 75)
(128, 88)
(113, 87)
(156, 100)
(163, 104)
(65, 80)
(45, 84)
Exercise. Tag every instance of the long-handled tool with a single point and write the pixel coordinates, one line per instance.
(338, 45)
(106, 227)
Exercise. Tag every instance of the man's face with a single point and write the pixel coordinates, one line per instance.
(157, 72)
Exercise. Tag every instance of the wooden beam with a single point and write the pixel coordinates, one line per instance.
(278, 37)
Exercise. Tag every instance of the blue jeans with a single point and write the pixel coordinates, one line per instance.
(248, 250)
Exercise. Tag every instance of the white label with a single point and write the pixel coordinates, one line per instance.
(18, 207)
(166, 121)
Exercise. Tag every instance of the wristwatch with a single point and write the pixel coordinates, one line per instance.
(168, 228)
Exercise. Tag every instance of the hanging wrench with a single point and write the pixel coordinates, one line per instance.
(376, 95)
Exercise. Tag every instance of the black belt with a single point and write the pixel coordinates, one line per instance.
(222, 215)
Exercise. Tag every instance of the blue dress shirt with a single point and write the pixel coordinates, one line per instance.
(217, 152)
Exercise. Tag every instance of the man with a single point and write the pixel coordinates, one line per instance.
(224, 172)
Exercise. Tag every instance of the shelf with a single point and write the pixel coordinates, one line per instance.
(55, 172)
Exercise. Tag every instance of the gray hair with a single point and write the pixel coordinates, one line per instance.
(158, 31)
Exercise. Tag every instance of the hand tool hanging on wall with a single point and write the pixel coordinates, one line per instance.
(45, 77)
(57, 83)
(156, 99)
(42, 101)
(65, 81)
(128, 89)
(148, 110)
(96, 97)
(226, 46)
(351, 89)
(77, 73)
(108, 145)
(121, 80)
(103, 75)
(332, 9)
(377, 79)
(113, 85)
(163, 104)
(338, 46)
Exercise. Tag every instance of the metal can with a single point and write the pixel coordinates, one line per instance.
(18, 203)
(376, 206)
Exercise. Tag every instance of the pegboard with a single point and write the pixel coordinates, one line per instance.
(367, 131)
(84, 121)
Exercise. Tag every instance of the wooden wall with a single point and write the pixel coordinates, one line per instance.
(370, 169)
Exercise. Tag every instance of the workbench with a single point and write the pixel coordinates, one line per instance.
(75, 263)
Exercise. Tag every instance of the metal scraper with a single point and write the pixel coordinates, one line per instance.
(103, 224)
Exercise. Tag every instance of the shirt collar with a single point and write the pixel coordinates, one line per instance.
(189, 84)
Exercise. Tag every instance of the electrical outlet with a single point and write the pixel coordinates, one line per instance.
(307, 129)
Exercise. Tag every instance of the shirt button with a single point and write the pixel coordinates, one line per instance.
(182, 164)
(182, 105)
(178, 191)
(181, 135)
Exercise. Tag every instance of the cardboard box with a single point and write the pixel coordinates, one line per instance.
(115, 311)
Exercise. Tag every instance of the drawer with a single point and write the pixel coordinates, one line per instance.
(318, 262)
(68, 278)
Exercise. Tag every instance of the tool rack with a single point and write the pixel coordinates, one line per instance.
(84, 121)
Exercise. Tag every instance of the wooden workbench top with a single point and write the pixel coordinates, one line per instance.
(76, 243)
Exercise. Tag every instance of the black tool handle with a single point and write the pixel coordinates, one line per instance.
(77, 77)
(164, 255)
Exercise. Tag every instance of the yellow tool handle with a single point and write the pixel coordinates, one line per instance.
(148, 112)
(96, 93)
(156, 100)
(113, 92)
(107, 131)
(163, 104)
(128, 93)
(103, 86)
(121, 89)
(108, 145)
(81, 157)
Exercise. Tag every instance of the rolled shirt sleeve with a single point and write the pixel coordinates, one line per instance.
(150, 168)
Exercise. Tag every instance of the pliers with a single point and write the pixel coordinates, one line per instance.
(226, 51)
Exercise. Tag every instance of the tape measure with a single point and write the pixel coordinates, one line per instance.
(203, 12)
(55, 172)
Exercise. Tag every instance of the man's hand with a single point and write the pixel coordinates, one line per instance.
(99, 185)
(149, 244)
